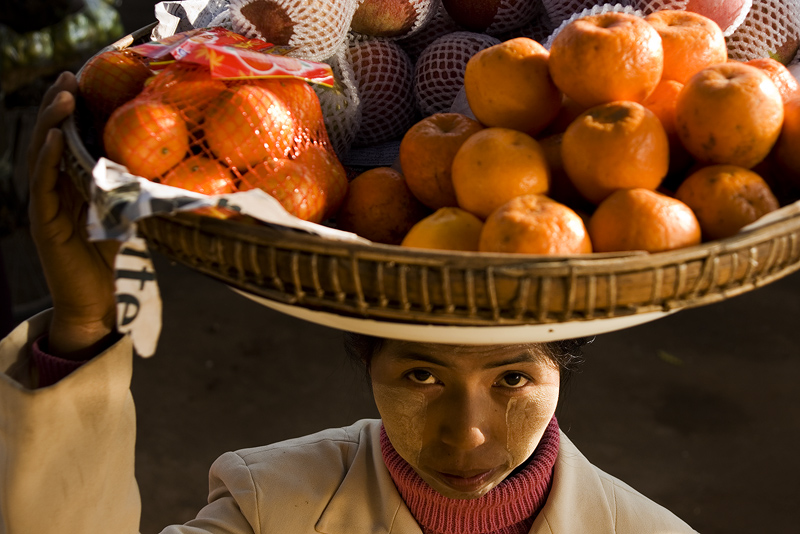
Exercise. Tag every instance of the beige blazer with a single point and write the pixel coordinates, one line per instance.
(66, 467)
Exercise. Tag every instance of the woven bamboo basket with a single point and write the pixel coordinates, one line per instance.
(395, 285)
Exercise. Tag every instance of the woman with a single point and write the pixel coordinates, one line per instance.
(467, 441)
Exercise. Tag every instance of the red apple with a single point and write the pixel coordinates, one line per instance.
(388, 18)
(727, 13)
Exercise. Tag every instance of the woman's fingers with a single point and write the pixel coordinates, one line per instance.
(44, 202)
(58, 104)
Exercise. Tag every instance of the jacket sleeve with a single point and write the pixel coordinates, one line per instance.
(67, 450)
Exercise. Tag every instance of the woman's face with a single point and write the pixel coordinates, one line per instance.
(464, 417)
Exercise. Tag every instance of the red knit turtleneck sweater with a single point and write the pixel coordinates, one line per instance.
(509, 508)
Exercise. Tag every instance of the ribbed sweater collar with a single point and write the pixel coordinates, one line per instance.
(509, 508)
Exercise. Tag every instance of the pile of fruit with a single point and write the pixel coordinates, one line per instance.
(629, 134)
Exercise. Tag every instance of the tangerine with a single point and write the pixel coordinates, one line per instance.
(691, 42)
(607, 57)
(535, 224)
(787, 148)
(783, 79)
(495, 165)
(248, 124)
(447, 228)
(618, 145)
(726, 198)
(426, 156)
(326, 168)
(729, 113)
(380, 207)
(641, 219)
(110, 79)
(291, 184)
(148, 137)
(201, 175)
(190, 89)
(508, 85)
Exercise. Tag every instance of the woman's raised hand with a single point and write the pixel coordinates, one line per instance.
(79, 272)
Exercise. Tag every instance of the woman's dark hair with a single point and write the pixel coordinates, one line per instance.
(566, 354)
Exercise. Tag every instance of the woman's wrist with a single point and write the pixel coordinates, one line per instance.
(79, 341)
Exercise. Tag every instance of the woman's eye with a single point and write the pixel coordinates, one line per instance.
(421, 377)
(513, 380)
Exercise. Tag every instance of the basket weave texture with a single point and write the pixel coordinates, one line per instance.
(398, 284)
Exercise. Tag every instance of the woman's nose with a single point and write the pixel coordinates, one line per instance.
(463, 421)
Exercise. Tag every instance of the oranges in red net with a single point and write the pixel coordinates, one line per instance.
(148, 137)
(110, 79)
(201, 175)
(248, 124)
(641, 219)
(607, 57)
(189, 88)
(326, 169)
(613, 146)
(535, 224)
(291, 184)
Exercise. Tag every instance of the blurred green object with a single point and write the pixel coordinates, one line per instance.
(65, 45)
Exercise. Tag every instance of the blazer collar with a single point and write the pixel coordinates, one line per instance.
(367, 500)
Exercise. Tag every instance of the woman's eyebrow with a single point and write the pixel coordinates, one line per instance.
(525, 357)
(414, 357)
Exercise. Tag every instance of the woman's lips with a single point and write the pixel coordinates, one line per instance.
(467, 483)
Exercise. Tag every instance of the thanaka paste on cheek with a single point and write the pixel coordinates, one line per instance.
(526, 420)
(403, 413)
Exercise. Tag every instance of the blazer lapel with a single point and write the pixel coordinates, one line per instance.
(367, 500)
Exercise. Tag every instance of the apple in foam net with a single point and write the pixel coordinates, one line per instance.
(724, 12)
(384, 18)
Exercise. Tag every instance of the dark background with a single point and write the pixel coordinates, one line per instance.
(699, 411)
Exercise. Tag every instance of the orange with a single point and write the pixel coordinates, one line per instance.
(380, 207)
(247, 124)
(446, 229)
(426, 156)
(149, 138)
(110, 79)
(535, 224)
(787, 84)
(291, 184)
(561, 187)
(495, 165)
(326, 168)
(190, 89)
(508, 85)
(662, 102)
(607, 57)
(302, 101)
(726, 198)
(641, 219)
(614, 146)
(729, 113)
(201, 175)
(787, 149)
(691, 42)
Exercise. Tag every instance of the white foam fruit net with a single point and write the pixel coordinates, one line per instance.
(424, 11)
(512, 15)
(439, 73)
(767, 26)
(384, 75)
(341, 107)
(316, 29)
(440, 24)
(538, 28)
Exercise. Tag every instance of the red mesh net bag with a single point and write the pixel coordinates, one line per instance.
(384, 75)
(439, 72)
(191, 129)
